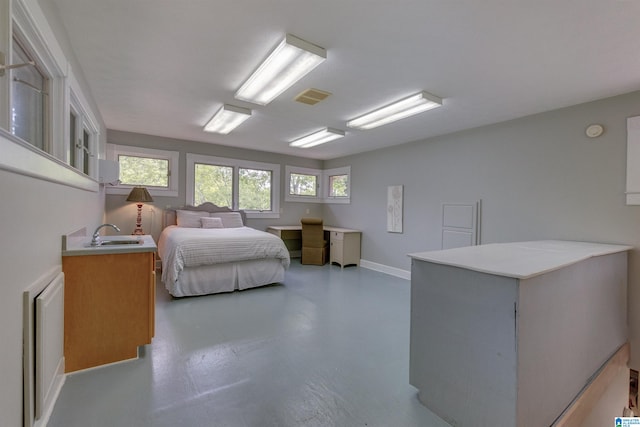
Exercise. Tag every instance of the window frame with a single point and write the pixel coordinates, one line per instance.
(115, 150)
(85, 122)
(322, 194)
(26, 20)
(236, 164)
(288, 197)
(326, 175)
(50, 60)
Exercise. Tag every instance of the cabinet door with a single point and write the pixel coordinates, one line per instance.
(336, 251)
(108, 309)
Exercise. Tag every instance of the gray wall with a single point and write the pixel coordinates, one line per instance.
(124, 213)
(35, 214)
(539, 177)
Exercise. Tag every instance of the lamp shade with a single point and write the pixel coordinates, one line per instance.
(139, 195)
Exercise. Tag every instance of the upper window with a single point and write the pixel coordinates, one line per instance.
(318, 186)
(303, 185)
(238, 184)
(83, 136)
(338, 185)
(29, 116)
(35, 102)
(157, 170)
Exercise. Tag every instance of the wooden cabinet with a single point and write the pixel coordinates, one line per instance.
(109, 307)
(344, 247)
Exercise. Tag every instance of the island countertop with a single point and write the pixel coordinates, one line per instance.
(520, 260)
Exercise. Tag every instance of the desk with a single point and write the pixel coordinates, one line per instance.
(344, 243)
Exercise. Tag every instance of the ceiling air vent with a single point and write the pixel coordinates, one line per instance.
(312, 96)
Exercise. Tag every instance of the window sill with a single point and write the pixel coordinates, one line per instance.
(123, 191)
(268, 215)
(22, 158)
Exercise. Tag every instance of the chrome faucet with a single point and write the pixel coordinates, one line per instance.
(95, 241)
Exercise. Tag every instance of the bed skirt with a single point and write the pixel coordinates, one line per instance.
(210, 279)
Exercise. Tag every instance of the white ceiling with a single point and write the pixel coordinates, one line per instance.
(163, 67)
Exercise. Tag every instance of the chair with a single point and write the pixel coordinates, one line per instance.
(314, 247)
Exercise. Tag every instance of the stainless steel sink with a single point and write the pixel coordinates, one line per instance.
(120, 242)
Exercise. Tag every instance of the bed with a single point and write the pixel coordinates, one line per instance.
(207, 249)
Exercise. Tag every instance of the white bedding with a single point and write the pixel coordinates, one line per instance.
(184, 248)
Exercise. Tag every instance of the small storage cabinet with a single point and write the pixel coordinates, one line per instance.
(344, 247)
(109, 306)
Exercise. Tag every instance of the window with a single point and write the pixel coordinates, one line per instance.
(318, 186)
(157, 170)
(29, 116)
(303, 185)
(143, 171)
(83, 137)
(213, 184)
(238, 184)
(254, 191)
(338, 185)
(34, 100)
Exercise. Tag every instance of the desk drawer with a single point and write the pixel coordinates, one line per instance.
(291, 234)
(337, 235)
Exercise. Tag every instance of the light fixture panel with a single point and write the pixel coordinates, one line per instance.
(401, 109)
(227, 118)
(320, 137)
(291, 60)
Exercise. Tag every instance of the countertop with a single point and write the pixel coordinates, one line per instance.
(520, 260)
(78, 245)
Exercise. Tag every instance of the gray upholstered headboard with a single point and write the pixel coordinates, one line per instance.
(169, 217)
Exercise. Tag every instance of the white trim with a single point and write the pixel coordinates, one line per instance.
(392, 271)
(41, 29)
(113, 150)
(192, 159)
(322, 195)
(327, 173)
(23, 158)
(288, 197)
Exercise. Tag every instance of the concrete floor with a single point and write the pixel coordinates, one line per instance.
(329, 347)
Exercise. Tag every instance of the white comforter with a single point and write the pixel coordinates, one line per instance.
(181, 247)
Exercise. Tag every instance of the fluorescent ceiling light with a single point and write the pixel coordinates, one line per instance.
(227, 118)
(288, 63)
(317, 138)
(406, 107)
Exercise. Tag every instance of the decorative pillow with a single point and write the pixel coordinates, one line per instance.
(229, 219)
(209, 222)
(189, 219)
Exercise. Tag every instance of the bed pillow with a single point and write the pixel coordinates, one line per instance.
(229, 219)
(189, 219)
(209, 222)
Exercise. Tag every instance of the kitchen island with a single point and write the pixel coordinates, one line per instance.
(509, 334)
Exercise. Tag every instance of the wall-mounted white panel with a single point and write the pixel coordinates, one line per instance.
(460, 225)
(633, 160)
(457, 239)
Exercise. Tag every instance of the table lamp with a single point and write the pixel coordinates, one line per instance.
(139, 195)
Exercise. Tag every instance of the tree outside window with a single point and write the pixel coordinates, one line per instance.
(338, 185)
(144, 171)
(254, 189)
(303, 185)
(213, 184)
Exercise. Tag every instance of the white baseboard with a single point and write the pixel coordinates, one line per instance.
(393, 271)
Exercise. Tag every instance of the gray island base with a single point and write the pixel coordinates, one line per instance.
(509, 334)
